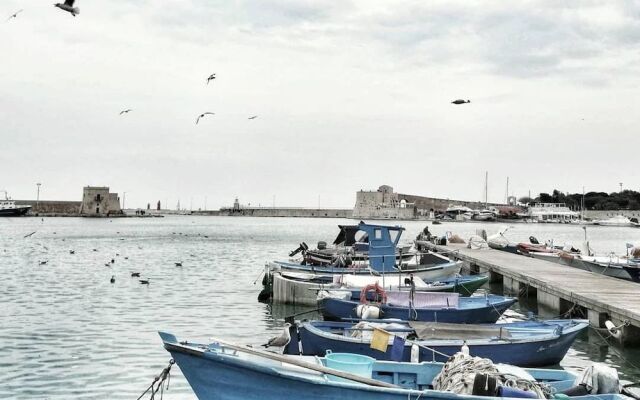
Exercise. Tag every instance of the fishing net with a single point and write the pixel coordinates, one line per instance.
(461, 374)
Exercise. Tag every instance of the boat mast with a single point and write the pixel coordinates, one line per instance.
(506, 194)
(486, 182)
(582, 207)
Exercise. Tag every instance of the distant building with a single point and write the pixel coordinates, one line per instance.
(382, 204)
(97, 201)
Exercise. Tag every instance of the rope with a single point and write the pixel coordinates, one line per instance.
(611, 347)
(165, 375)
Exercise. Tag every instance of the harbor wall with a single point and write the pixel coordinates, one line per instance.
(286, 212)
(52, 207)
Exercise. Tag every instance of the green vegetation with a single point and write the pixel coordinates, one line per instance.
(625, 200)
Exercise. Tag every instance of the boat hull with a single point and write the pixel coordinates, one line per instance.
(14, 212)
(480, 312)
(290, 291)
(426, 273)
(228, 375)
(547, 349)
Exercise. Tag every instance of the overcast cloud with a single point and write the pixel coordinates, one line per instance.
(350, 95)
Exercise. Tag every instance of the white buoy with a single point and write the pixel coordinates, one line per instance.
(415, 353)
(613, 330)
(465, 348)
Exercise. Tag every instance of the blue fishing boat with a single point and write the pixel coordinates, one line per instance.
(224, 371)
(382, 259)
(434, 307)
(525, 343)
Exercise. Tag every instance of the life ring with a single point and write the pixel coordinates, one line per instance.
(379, 290)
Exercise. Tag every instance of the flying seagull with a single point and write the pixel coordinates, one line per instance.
(211, 77)
(253, 117)
(14, 15)
(282, 340)
(460, 101)
(125, 111)
(202, 116)
(68, 7)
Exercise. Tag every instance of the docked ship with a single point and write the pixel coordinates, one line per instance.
(8, 208)
(552, 213)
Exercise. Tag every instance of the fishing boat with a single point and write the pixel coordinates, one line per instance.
(618, 220)
(435, 307)
(383, 242)
(302, 288)
(8, 207)
(621, 267)
(499, 241)
(524, 343)
(225, 371)
(351, 242)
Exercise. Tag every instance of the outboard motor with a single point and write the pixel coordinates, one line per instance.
(302, 248)
(533, 240)
(322, 245)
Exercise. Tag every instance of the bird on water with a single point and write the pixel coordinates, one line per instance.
(68, 7)
(127, 111)
(179, 264)
(253, 117)
(211, 77)
(460, 101)
(202, 116)
(135, 274)
(14, 15)
(113, 279)
(144, 281)
(282, 340)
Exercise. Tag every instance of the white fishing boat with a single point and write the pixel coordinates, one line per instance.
(618, 220)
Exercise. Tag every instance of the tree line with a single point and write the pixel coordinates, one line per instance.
(625, 200)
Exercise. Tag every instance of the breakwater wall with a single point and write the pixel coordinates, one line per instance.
(286, 212)
(52, 207)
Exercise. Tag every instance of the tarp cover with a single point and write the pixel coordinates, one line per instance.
(439, 330)
(423, 299)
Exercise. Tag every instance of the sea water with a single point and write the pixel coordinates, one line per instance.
(67, 332)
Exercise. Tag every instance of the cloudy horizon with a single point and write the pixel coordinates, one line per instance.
(349, 95)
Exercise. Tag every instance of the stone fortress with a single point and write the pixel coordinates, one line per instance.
(384, 203)
(97, 201)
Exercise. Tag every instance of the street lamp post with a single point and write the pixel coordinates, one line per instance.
(38, 194)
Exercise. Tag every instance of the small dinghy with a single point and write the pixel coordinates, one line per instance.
(424, 306)
(226, 371)
(524, 343)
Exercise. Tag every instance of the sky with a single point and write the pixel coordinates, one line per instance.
(349, 95)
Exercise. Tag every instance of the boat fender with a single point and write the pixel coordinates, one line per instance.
(415, 353)
(615, 331)
(371, 312)
(464, 349)
(484, 385)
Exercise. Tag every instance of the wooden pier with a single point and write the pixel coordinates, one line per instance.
(557, 287)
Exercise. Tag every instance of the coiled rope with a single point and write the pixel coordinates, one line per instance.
(158, 382)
